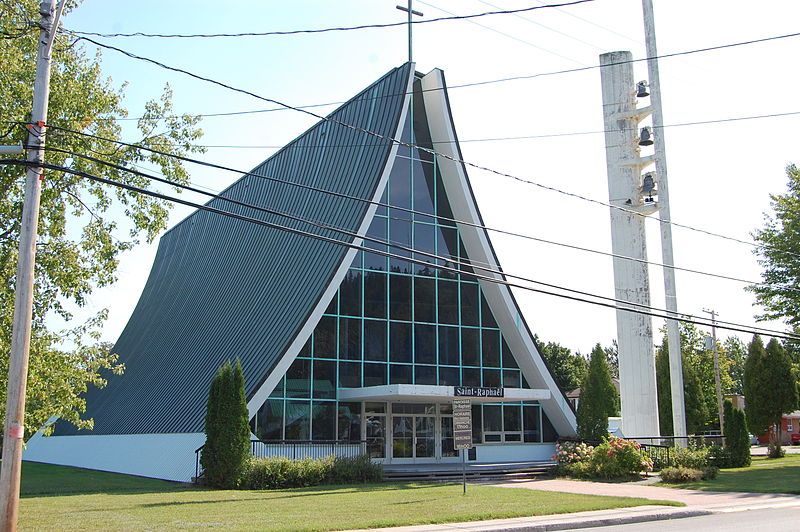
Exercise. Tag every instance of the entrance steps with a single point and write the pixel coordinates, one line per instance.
(453, 471)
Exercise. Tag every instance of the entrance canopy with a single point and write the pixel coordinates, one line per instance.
(430, 394)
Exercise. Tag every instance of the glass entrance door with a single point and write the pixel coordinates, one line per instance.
(413, 437)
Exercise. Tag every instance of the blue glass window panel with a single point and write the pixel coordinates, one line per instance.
(333, 305)
(470, 347)
(324, 382)
(401, 374)
(491, 378)
(469, 304)
(374, 261)
(375, 374)
(377, 230)
(349, 338)
(400, 185)
(448, 346)
(512, 418)
(511, 378)
(400, 297)
(487, 318)
(446, 242)
(374, 294)
(349, 421)
(423, 185)
(549, 433)
(462, 253)
(449, 376)
(424, 344)
(424, 374)
(492, 418)
(530, 423)
(424, 237)
(471, 376)
(323, 421)
(443, 211)
(325, 338)
(298, 378)
(399, 235)
(305, 351)
(508, 358)
(425, 299)
(490, 343)
(448, 302)
(298, 426)
(374, 340)
(269, 420)
(350, 294)
(349, 374)
(400, 342)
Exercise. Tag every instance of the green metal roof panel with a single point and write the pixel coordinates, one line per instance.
(222, 288)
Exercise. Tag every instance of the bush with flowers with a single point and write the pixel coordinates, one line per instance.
(614, 458)
(572, 458)
(619, 458)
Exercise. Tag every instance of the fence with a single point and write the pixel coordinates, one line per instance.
(296, 450)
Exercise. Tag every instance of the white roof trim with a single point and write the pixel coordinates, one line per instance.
(430, 393)
(476, 242)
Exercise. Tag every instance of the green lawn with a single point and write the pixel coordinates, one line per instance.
(764, 475)
(73, 499)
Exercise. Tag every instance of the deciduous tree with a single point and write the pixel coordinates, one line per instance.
(83, 226)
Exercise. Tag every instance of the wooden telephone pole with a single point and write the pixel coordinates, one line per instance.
(14, 429)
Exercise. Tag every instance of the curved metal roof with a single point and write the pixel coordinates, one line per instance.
(222, 288)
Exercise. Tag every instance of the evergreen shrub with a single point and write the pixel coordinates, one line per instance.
(690, 458)
(682, 474)
(719, 456)
(227, 449)
(738, 439)
(279, 472)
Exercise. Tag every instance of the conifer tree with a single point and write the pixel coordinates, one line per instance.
(599, 398)
(227, 446)
(769, 387)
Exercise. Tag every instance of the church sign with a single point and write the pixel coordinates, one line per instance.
(474, 391)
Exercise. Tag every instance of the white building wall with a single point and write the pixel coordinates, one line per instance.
(164, 456)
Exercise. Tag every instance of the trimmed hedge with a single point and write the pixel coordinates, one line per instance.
(688, 474)
(275, 473)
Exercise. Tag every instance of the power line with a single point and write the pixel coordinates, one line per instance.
(471, 263)
(450, 87)
(690, 319)
(455, 159)
(327, 30)
(492, 139)
(508, 35)
(412, 211)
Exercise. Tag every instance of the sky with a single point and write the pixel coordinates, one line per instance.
(720, 175)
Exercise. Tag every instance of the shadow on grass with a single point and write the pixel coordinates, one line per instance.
(773, 476)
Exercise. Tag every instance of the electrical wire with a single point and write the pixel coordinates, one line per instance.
(327, 30)
(455, 159)
(683, 317)
(448, 219)
(403, 209)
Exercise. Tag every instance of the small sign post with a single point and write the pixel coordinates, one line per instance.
(462, 433)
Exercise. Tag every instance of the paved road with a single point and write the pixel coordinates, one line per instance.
(770, 520)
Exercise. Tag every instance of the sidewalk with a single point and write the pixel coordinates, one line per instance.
(697, 503)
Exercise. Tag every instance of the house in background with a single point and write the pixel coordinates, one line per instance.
(367, 298)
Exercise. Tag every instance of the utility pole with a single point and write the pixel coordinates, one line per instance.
(637, 371)
(717, 383)
(14, 429)
(673, 332)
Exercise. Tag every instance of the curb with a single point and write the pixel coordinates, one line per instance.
(602, 521)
